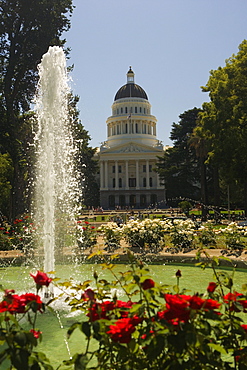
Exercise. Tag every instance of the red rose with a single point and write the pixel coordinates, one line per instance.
(122, 330)
(211, 304)
(147, 284)
(30, 297)
(36, 333)
(100, 310)
(211, 287)
(41, 278)
(88, 295)
(231, 297)
(178, 273)
(15, 304)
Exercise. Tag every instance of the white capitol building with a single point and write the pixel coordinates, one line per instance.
(128, 156)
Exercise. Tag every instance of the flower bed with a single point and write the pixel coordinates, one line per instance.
(155, 327)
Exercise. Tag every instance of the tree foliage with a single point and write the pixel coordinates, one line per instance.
(224, 120)
(87, 164)
(27, 29)
(179, 168)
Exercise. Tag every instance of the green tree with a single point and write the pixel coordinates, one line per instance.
(27, 29)
(87, 165)
(224, 121)
(6, 171)
(179, 168)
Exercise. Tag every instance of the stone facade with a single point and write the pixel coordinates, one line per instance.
(127, 158)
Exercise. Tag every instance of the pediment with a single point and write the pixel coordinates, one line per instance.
(132, 148)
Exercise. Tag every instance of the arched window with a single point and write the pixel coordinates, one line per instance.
(150, 182)
(143, 200)
(120, 182)
(153, 199)
(111, 201)
(132, 200)
(122, 200)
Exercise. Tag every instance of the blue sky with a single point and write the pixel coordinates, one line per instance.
(171, 45)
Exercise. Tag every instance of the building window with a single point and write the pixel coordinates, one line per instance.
(126, 128)
(121, 200)
(119, 169)
(144, 168)
(144, 109)
(132, 200)
(135, 109)
(150, 182)
(111, 201)
(150, 168)
(126, 110)
(114, 182)
(144, 182)
(113, 169)
(131, 110)
(137, 128)
(121, 110)
(143, 200)
(132, 182)
(153, 199)
(117, 111)
(140, 109)
(120, 182)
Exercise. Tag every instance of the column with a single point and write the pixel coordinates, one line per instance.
(127, 175)
(106, 174)
(101, 174)
(158, 186)
(147, 173)
(137, 174)
(116, 174)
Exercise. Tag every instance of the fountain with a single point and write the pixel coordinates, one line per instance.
(56, 184)
(55, 200)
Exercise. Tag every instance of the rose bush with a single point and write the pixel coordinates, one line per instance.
(149, 235)
(112, 235)
(17, 345)
(154, 327)
(158, 326)
(86, 235)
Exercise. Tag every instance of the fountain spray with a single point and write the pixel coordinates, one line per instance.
(56, 191)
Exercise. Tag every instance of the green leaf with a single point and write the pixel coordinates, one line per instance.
(217, 348)
(81, 362)
(133, 346)
(86, 329)
(72, 328)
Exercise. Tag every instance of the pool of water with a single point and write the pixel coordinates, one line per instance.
(55, 326)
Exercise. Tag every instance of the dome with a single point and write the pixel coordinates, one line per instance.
(131, 91)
